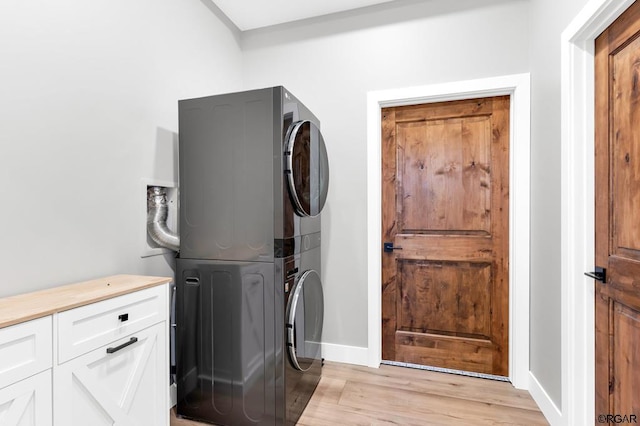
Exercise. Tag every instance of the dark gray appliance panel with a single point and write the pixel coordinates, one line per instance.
(226, 349)
(226, 176)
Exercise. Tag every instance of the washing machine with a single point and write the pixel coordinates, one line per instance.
(249, 301)
(227, 343)
(303, 304)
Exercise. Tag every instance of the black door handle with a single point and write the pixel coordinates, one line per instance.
(388, 247)
(600, 274)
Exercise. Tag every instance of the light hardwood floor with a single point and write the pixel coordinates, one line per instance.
(355, 395)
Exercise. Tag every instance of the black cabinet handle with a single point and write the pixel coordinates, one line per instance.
(123, 317)
(122, 346)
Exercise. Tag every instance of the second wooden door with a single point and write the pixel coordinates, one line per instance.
(617, 233)
(445, 234)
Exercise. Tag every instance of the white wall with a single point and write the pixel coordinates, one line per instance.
(88, 107)
(548, 19)
(331, 63)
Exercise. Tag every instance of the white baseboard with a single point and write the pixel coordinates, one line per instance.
(540, 396)
(346, 354)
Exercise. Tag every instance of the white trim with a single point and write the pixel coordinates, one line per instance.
(173, 395)
(577, 91)
(345, 354)
(518, 86)
(540, 396)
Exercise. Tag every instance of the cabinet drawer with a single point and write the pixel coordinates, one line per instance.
(83, 329)
(25, 349)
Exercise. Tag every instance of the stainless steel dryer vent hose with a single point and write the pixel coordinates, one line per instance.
(157, 212)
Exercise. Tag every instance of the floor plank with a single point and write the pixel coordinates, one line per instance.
(356, 395)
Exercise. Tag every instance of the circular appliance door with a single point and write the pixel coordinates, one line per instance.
(307, 168)
(305, 313)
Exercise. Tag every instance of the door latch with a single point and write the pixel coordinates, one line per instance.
(600, 274)
(388, 247)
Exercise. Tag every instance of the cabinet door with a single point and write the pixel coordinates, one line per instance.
(125, 383)
(25, 350)
(27, 402)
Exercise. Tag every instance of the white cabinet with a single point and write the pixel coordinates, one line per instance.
(98, 362)
(25, 373)
(112, 362)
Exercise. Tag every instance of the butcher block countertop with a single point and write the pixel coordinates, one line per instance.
(28, 306)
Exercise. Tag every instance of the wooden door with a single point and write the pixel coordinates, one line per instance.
(123, 387)
(445, 195)
(617, 216)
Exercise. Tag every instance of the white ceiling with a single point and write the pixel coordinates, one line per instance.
(251, 14)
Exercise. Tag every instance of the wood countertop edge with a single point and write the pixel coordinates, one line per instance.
(29, 306)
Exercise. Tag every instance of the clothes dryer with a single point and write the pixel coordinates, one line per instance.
(254, 175)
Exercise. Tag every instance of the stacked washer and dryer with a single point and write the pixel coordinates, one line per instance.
(249, 312)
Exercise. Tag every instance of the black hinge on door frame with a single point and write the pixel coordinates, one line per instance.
(600, 274)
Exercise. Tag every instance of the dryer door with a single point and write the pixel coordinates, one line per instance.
(307, 168)
(305, 313)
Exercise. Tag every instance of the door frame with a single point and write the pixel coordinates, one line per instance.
(578, 232)
(518, 87)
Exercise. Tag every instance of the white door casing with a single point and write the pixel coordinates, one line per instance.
(577, 91)
(518, 87)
